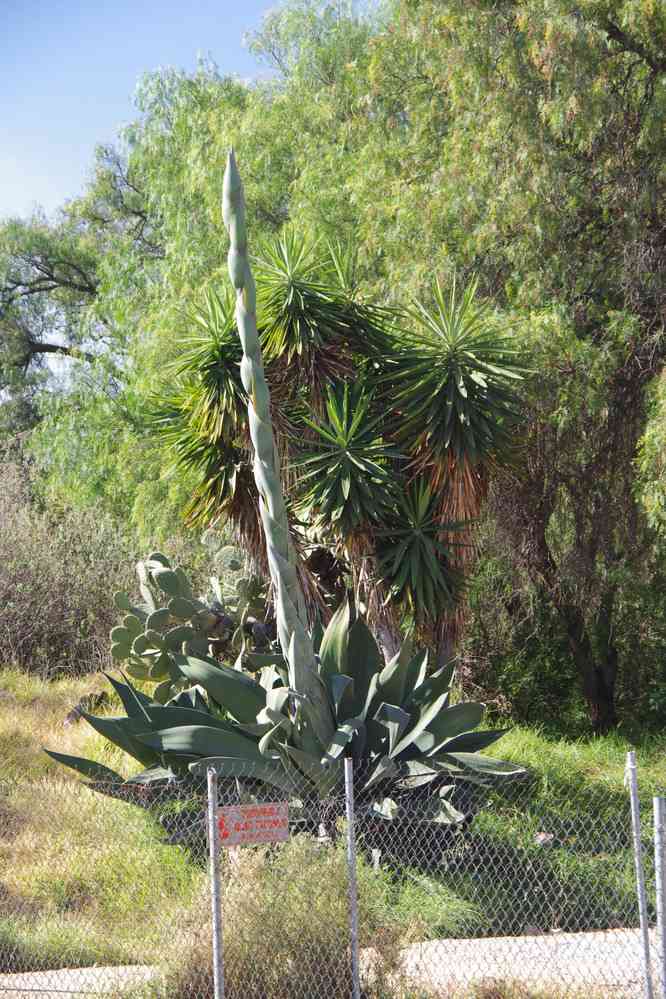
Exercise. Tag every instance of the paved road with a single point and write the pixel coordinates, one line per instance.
(64, 982)
(599, 965)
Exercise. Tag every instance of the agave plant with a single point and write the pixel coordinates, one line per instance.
(409, 743)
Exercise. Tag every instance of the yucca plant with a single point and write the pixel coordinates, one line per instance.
(346, 483)
(452, 379)
(415, 564)
(202, 418)
(312, 331)
(368, 404)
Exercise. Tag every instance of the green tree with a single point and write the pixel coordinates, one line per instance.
(547, 180)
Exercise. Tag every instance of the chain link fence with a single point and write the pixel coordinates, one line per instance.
(529, 894)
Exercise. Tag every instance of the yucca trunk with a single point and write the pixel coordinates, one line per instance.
(290, 604)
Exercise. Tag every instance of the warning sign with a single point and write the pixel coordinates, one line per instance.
(244, 824)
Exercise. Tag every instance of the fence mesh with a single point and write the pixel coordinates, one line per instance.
(105, 889)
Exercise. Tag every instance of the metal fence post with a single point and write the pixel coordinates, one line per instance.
(215, 893)
(630, 777)
(351, 865)
(660, 878)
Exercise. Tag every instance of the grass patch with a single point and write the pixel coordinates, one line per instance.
(571, 768)
(46, 942)
(80, 864)
(515, 990)
(285, 929)
(32, 715)
(552, 852)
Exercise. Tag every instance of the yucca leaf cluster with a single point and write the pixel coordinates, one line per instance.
(454, 375)
(387, 422)
(344, 468)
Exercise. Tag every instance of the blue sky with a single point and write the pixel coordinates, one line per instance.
(68, 70)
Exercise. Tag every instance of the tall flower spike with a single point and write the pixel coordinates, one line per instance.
(290, 605)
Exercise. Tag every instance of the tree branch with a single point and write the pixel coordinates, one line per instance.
(37, 347)
(632, 45)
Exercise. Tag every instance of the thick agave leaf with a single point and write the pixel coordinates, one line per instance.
(395, 720)
(324, 778)
(171, 715)
(123, 733)
(364, 661)
(414, 773)
(448, 723)
(202, 740)
(190, 698)
(393, 678)
(89, 768)
(472, 742)
(385, 770)
(273, 676)
(341, 688)
(437, 810)
(242, 697)
(485, 764)
(342, 737)
(133, 700)
(335, 643)
(160, 559)
(424, 716)
(430, 687)
(254, 661)
(269, 738)
(386, 808)
(271, 773)
(417, 669)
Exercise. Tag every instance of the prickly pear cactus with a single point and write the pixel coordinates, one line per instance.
(170, 621)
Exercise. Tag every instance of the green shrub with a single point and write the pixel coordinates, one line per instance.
(285, 926)
(58, 571)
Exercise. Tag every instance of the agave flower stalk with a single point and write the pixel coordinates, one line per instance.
(290, 605)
